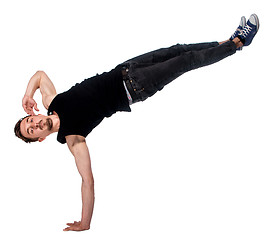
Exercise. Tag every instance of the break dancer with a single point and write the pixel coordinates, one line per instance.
(77, 111)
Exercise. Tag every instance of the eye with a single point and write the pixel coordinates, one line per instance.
(31, 131)
(31, 120)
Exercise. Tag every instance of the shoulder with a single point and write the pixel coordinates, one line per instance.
(74, 139)
(50, 102)
(49, 99)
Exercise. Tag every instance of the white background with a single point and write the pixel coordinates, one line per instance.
(196, 161)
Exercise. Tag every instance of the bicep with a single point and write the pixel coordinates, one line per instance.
(47, 89)
(81, 154)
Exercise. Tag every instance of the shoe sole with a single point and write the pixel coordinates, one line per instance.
(257, 21)
(243, 19)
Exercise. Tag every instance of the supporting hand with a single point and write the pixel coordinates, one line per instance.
(76, 226)
(28, 104)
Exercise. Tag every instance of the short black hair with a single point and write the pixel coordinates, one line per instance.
(19, 134)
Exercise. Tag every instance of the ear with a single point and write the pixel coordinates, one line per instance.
(41, 139)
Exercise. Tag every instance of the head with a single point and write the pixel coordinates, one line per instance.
(34, 128)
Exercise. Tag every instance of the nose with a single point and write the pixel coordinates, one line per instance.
(34, 125)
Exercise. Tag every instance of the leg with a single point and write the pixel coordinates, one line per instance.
(165, 54)
(150, 72)
(146, 79)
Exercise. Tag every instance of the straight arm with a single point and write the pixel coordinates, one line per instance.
(79, 149)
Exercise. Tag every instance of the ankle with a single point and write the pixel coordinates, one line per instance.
(222, 42)
(238, 42)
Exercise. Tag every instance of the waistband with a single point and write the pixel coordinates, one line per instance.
(129, 84)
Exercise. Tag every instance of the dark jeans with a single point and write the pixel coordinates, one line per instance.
(150, 72)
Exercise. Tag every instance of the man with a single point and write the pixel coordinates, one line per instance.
(74, 113)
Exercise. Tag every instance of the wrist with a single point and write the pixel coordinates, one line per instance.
(26, 95)
(85, 225)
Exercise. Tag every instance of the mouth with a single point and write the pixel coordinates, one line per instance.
(40, 125)
(48, 123)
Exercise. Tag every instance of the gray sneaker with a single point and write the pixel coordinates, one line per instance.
(239, 29)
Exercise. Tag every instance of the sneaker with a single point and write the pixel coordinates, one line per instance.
(250, 30)
(239, 29)
(242, 24)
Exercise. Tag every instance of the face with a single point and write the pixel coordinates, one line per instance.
(39, 126)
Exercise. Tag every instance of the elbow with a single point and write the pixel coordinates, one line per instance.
(40, 73)
(88, 182)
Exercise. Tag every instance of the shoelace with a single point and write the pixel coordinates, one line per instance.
(247, 29)
(235, 33)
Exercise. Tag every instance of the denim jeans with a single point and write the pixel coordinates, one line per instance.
(150, 72)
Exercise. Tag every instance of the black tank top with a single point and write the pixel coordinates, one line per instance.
(86, 104)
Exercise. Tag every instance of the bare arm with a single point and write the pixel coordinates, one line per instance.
(78, 147)
(38, 80)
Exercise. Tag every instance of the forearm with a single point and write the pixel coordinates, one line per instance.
(88, 199)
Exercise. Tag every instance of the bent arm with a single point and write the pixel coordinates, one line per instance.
(79, 149)
(38, 80)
